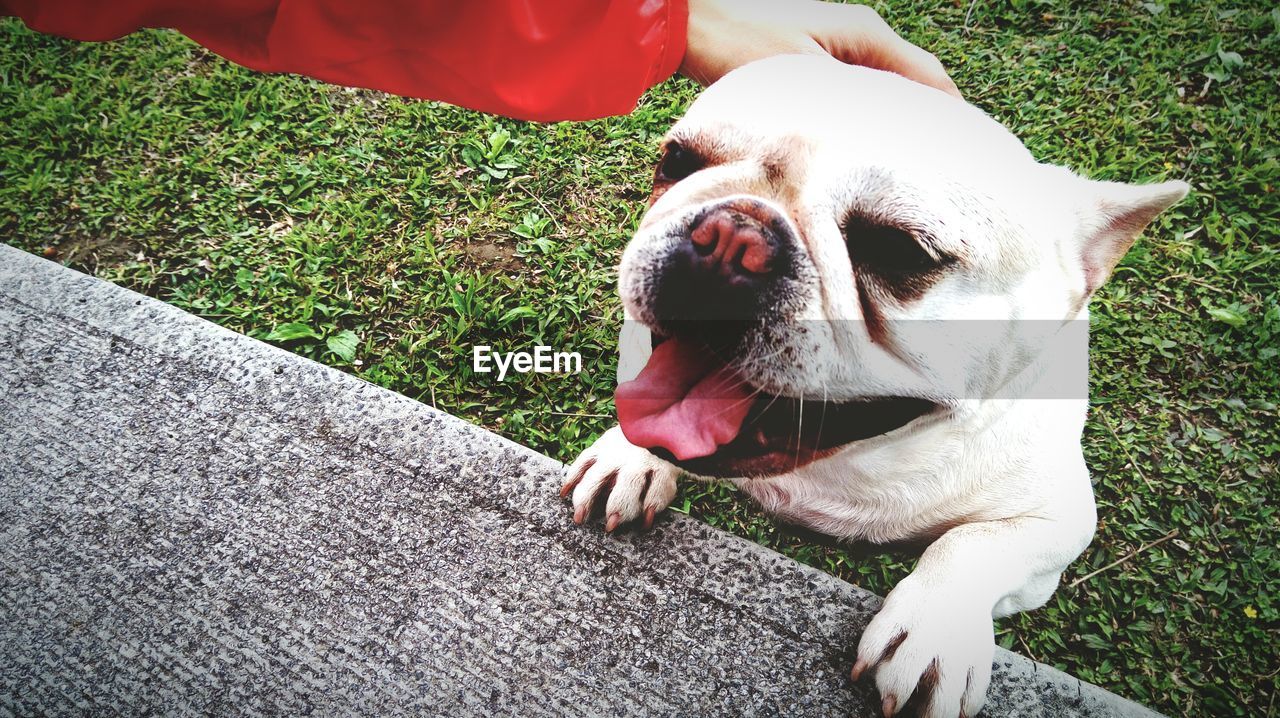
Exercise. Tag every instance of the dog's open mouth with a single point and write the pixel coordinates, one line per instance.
(692, 408)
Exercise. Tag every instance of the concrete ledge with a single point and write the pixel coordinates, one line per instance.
(192, 521)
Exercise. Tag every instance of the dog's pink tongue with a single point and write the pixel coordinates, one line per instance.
(685, 400)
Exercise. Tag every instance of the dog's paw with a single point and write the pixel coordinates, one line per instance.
(638, 484)
(930, 652)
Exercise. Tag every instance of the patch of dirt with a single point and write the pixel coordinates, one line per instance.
(492, 255)
(89, 254)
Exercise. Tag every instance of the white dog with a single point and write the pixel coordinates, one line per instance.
(868, 306)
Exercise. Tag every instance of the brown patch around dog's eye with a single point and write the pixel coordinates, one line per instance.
(678, 162)
(894, 256)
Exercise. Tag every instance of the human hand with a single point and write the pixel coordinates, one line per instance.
(724, 34)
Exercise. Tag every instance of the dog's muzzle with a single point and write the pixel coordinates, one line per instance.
(734, 268)
(727, 267)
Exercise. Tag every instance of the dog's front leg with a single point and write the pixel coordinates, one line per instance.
(638, 483)
(934, 633)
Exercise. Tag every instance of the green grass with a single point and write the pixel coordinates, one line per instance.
(387, 237)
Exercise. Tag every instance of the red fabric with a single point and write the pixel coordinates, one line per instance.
(531, 59)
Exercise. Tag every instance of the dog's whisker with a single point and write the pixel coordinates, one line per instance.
(747, 399)
(799, 431)
(772, 401)
(734, 377)
(725, 385)
(822, 418)
(756, 360)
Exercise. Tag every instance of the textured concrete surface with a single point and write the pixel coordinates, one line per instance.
(194, 522)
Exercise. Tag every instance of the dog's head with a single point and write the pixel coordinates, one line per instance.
(808, 218)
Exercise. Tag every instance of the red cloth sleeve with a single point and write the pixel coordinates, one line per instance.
(532, 59)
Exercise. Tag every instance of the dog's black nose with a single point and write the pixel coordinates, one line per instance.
(727, 265)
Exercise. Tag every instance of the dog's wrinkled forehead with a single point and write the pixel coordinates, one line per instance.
(845, 114)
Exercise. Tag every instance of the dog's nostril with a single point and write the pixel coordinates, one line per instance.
(757, 254)
(732, 243)
(705, 237)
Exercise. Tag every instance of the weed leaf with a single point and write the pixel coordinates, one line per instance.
(291, 331)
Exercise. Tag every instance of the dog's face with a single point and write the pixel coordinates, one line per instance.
(821, 239)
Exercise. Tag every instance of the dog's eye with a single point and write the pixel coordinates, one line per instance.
(885, 249)
(677, 163)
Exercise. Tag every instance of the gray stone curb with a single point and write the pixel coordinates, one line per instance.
(194, 522)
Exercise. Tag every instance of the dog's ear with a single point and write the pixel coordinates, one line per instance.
(1114, 215)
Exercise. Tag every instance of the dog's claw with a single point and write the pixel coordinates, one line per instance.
(858, 668)
(580, 514)
(572, 482)
(889, 706)
(612, 522)
(649, 514)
